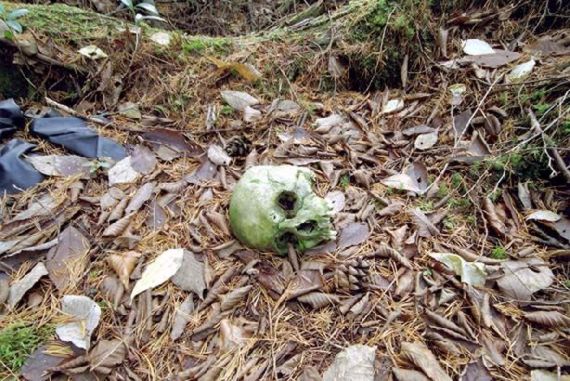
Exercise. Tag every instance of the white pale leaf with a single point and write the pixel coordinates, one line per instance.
(336, 200)
(251, 115)
(61, 165)
(238, 100)
(472, 273)
(393, 105)
(123, 172)
(159, 271)
(84, 316)
(19, 288)
(355, 363)
(521, 71)
(543, 215)
(475, 47)
(218, 156)
(92, 52)
(426, 141)
(161, 38)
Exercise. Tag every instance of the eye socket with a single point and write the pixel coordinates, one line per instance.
(307, 226)
(288, 202)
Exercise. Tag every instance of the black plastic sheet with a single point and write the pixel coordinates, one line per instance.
(74, 134)
(11, 118)
(15, 173)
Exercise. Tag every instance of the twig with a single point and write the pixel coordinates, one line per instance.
(71, 111)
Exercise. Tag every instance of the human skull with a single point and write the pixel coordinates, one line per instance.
(273, 206)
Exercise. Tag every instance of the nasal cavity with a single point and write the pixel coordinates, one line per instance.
(307, 226)
(288, 202)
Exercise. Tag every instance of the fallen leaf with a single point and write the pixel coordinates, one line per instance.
(38, 364)
(19, 288)
(543, 215)
(123, 172)
(493, 61)
(524, 278)
(476, 47)
(61, 165)
(424, 359)
(251, 115)
(245, 70)
(191, 276)
(493, 217)
(425, 227)
(319, 299)
(549, 319)
(353, 234)
(218, 156)
(520, 72)
(544, 375)
(84, 314)
(173, 140)
(143, 160)
(408, 375)
(234, 297)
(182, 317)
(336, 200)
(124, 264)
(159, 271)
(161, 38)
(426, 141)
(130, 110)
(234, 333)
(238, 100)
(106, 355)
(472, 273)
(355, 363)
(92, 52)
(476, 371)
(67, 261)
(42, 206)
(143, 194)
(392, 106)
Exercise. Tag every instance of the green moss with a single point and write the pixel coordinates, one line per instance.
(344, 181)
(443, 190)
(204, 44)
(499, 252)
(18, 341)
(456, 180)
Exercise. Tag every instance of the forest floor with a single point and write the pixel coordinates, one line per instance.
(440, 136)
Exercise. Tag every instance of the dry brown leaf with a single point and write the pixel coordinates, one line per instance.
(549, 319)
(493, 217)
(182, 317)
(106, 355)
(408, 375)
(192, 274)
(66, 261)
(524, 278)
(425, 227)
(424, 359)
(353, 234)
(124, 264)
(118, 227)
(19, 288)
(319, 299)
(476, 371)
(143, 194)
(231, 299)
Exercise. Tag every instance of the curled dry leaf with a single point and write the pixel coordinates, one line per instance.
(549, 319)
(524, 278)
(493, 217)
(392, 106)
(425, 227)
(191, 275)
(124, 264)
(218, 155)
(84, 314)
(424, 359)
(143, 194)
(118, 227)
(231, 299)
(106, 355)
(543, 215)
(520, 72)
(476, 371)
(234, 334)
(159, 271)
(56, 165)
(182, 317)
(319, 299)
(19, 288)
(355, 363)
(544, 375)
(408, 375)
(471, 273)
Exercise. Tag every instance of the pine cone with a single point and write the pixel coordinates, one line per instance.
(238, 146)
(352, 274)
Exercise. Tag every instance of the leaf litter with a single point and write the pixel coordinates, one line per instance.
(449, 262)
